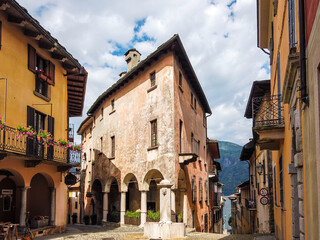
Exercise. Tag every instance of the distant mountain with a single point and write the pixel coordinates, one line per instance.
(233, 171)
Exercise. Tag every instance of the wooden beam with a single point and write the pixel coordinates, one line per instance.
(69, 66)
(76, 84)
(4, 6)
(75, 89)
(75, 94)
(14, 19)
(33, 34)
(45, 45)
(75, 97)
(75, 102)
(57, 56)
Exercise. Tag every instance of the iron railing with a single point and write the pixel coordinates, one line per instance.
(12, 142)
(267, 111)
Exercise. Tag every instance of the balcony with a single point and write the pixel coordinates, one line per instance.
(268, 121)
(217, 200)
(186, 157)
(35, 151)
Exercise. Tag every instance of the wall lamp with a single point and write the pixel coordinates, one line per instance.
(261, 170)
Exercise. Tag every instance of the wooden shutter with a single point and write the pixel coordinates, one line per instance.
(31, 58)
(0, 34)
(30, 122)
(50, 130)
(51, 73)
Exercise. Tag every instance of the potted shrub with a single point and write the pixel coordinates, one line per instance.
(179, 217)
(153, 216)
(113, 216)
(132, 217)
(94, 219)
(86, 219)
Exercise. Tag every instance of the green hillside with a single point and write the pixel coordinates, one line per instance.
(233, 171)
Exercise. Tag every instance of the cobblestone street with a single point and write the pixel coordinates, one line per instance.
(84, 232)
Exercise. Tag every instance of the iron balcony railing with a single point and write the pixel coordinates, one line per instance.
(12, 142)
(267, 111)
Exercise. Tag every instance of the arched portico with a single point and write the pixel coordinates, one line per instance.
(97, 200)
(111, 201)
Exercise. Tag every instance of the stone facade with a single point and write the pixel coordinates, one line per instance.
(149, 126)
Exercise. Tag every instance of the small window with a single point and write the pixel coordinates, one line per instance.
(154, 133)
(112, 105)
(153, 79)
(180, 79)
(195, 104)
(76, 205)
(113, 146)
(101, 113)
(101, 144)
(200, 190)
(204, 120)
(192, 99)
(194, 189)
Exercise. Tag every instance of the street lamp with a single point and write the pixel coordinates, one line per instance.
(260, 168)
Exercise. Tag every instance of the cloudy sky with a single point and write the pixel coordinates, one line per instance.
(219, 37)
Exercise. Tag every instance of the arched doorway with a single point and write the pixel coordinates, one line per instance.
(97, 200)
(113, 201)
(133, 196)
(152, 178)
(39, 201)
(181, 198)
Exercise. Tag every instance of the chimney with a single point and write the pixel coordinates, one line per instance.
(132, 57)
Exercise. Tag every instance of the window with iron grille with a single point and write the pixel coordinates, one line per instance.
(113, 146)
(194, 189)
(200, 190)
(153, 79)
(153, 133)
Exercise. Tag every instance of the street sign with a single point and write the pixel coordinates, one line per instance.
(264, 192)
(264, 200)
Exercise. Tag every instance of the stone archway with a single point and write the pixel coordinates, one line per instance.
(181, 198)
(40, 201)
(112, 200)
(133, 196)
(151, 179)
(97, 200)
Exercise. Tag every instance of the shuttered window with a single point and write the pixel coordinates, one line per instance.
(275, 185)
(200, 190)
(51, 73)
(292, 23)
(180, 79)
(32, 58)
(0, 34)
(50, 152)
(281, 181)
(153, 133)
(194, 189)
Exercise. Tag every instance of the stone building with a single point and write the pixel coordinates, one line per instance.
(149, 126)
(41, 87)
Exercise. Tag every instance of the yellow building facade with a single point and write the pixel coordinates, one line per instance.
(41, 85)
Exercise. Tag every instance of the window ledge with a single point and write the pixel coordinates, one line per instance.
(41, 96)
(112, 112)
(152, 88)
(153, 148)
(111, 158)
(180, 88)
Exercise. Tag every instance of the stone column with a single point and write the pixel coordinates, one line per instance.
(122, 207)
(143, 218)
(105, 206)
(184, 198)
(165, 201)
(173, 205)
(53, 206)
(23, 209)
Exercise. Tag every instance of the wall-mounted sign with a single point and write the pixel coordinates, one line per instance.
(264, 192)
(70, 179)
(7, 191)
(264, 200)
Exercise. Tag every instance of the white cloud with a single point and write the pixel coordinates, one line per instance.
(219, 40)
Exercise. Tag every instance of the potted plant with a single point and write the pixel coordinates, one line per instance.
(179, 217)
(153, 216)
(132, 217)
(86, 219)
(113, 216)
(94, 219)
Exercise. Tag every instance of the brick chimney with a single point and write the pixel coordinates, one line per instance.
(132, 57)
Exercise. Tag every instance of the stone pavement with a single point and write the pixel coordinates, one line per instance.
(91, 232)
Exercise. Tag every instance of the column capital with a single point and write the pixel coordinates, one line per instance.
(143, 190)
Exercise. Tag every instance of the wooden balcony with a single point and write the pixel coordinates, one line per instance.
(268, 121)
(35, 151)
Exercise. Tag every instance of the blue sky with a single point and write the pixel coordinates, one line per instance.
(219, 37)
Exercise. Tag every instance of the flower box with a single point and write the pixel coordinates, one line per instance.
(132, 220)
(39, 223)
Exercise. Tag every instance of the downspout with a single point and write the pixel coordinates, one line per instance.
(302, 39)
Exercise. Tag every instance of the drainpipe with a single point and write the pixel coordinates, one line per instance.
(302, 38)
